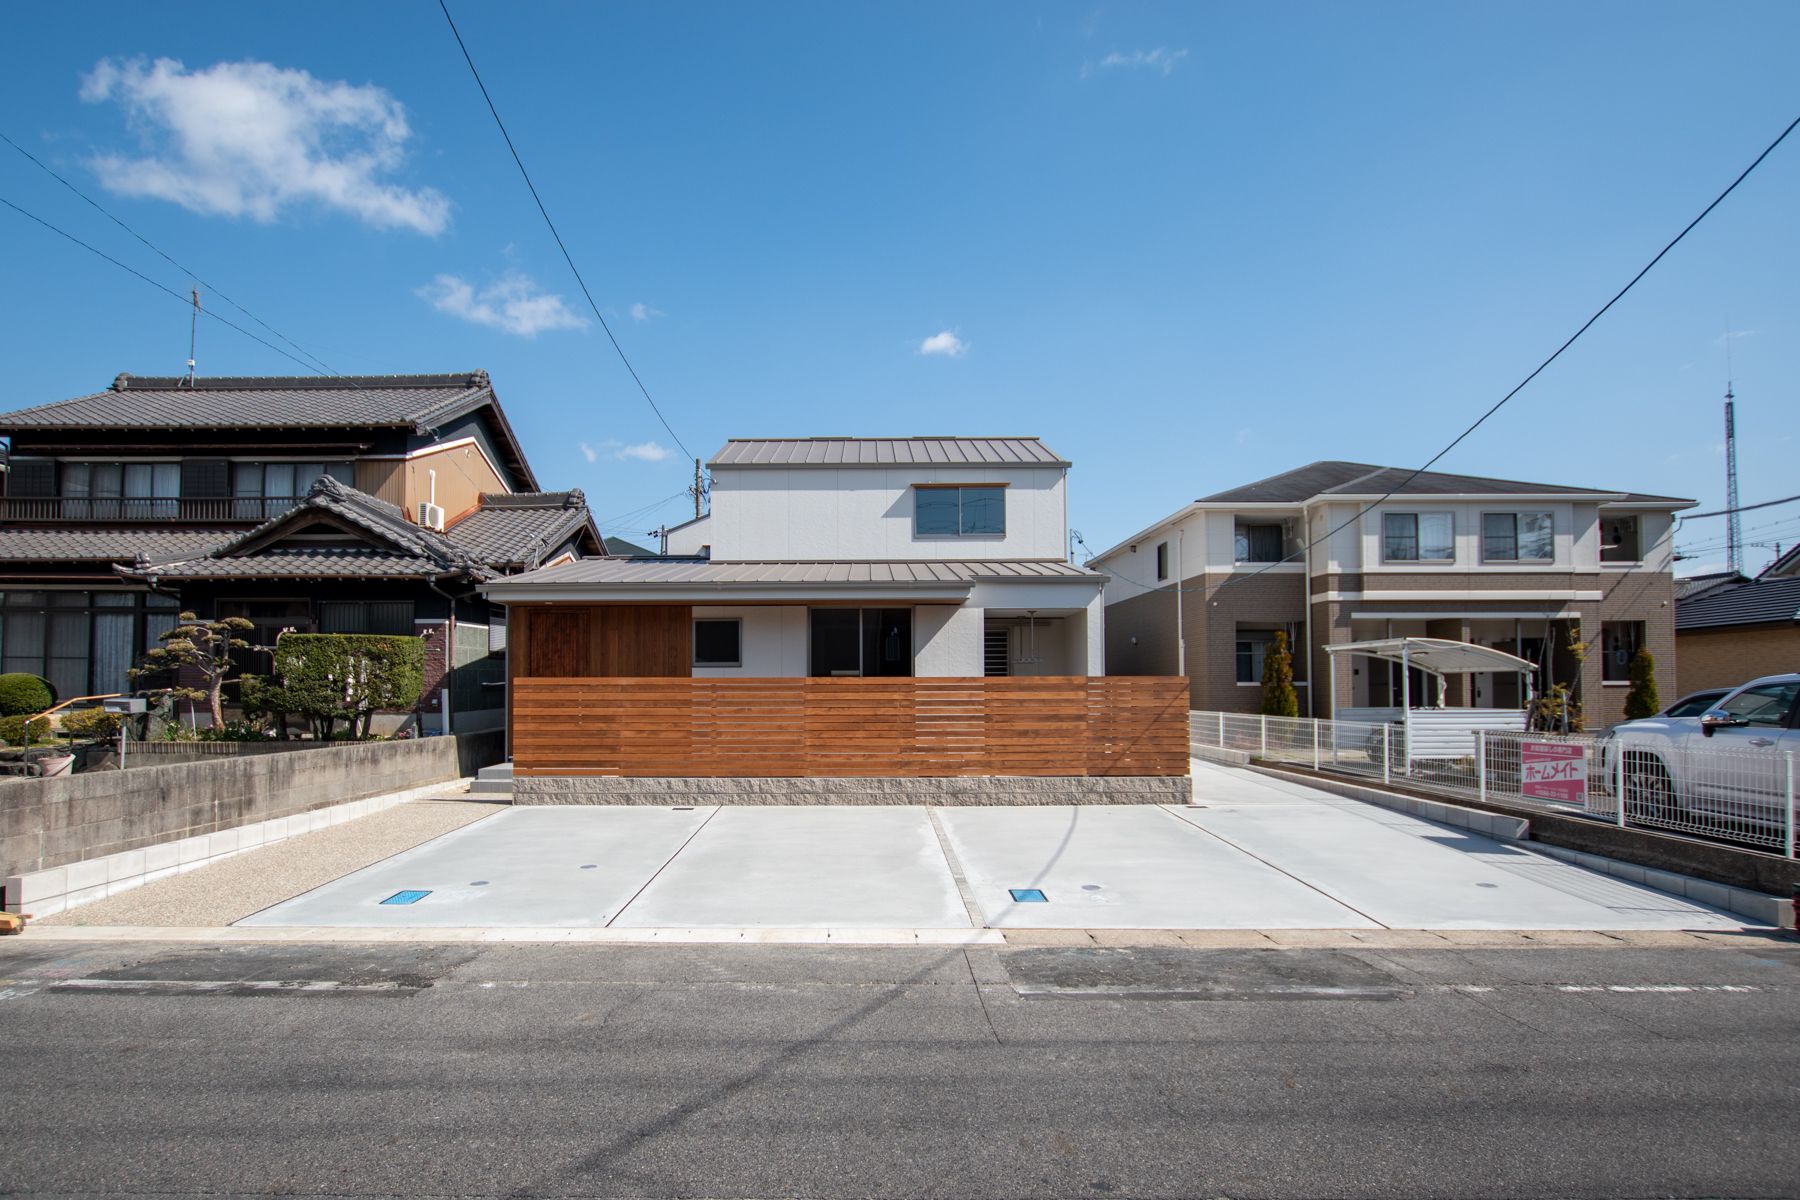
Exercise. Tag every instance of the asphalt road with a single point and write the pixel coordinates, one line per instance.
(841, 1072)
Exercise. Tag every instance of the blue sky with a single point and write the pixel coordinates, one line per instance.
(1188, 245)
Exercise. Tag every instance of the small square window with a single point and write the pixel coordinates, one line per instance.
(718, 643)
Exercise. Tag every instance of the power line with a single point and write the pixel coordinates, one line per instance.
(567, 257)
(322, 366)
(186, 301)
(1502, 401)
(1746, 508)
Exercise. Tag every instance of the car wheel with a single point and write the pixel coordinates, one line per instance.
(1649, 792)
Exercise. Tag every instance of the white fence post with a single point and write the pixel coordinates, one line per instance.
(1619, 785)
(1790, 803)
(1221, 730)
(1385, 729)
(1264, 751)
(1481, 762)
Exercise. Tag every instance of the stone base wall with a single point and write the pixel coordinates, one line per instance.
(664, 792)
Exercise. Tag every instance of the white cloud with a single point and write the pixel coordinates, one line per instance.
(251, 139)
(512, 302)
(640, 312)
(945, 343)
(1243, 435)
(588, 451)
(644, 452)
(1732, 336)
(1160, 59)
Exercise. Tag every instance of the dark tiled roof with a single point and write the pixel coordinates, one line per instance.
(1786, 565)
(307, 562)
(508, 532)
(103, 545)
(1697, 585)
(518, 531)
(928, 452)
(1765, 602)
(1361, 479)
(412, 401)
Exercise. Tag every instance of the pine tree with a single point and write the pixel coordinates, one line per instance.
(1278, 698)
(206, 647)
(1642, 700)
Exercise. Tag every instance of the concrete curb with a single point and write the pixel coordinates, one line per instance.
(1262, 939)
(1760, 907)
(1231, 758)
(58, 889)
(274, 934)
(1763, 909)
(1475, 820)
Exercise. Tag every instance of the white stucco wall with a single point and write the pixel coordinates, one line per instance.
(947, 640)
(866, 513)
(690, 537)
(773, 640)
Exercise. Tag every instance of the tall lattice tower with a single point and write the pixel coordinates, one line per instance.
(1734, 531)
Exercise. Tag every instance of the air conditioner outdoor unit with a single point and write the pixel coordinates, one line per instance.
(431, 516)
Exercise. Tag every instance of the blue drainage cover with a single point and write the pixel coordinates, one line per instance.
(1028, 896)
(407, 897)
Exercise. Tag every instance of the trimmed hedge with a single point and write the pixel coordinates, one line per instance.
(21, 694)
(333, 677)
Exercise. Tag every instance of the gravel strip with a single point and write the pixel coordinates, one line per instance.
(231, 890)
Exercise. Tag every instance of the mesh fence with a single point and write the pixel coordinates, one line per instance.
(1676, 786)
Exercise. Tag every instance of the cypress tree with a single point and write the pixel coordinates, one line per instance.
(1278, 698)
(1642, 700)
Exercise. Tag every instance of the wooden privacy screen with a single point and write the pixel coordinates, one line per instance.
(1074, 725)
(580, 640)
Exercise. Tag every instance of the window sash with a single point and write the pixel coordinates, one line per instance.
(1518, 537)
(719, 642)
(959, 511)
(1418, 537)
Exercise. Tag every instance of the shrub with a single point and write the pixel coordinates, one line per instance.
(12, 729)
(1641, 701)
(333, 677)
(235, 731)
(1278, 698)
(21, 694)
(91, 723)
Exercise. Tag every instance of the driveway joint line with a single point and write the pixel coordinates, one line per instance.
(717, 809)
(976, 918)
(1265, 862)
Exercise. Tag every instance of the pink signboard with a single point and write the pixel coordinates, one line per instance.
(1553, 771)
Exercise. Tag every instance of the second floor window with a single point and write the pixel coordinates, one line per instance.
(959, 511)
(1418, 537)
(1162, 560)
(1619, 540)
(1258, 543)
(1518, 537)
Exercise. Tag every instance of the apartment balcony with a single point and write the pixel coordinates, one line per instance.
(249, 510)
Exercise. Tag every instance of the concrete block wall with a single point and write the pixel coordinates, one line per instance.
(46, 823)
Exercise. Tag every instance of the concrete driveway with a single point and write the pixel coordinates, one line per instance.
(1250, 853)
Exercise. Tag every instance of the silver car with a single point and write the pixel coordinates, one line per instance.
(1729, 766)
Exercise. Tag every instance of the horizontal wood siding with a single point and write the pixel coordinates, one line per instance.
(1075, 725)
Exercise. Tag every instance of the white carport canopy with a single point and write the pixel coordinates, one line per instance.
(1440, 656)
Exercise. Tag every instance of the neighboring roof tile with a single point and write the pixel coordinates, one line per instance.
(304, 401)
(837, 452)
(1698, 585)
(1362, 479)
(639, 571)
(1764, 602)
(321, 562)
(104, 545)
(1786, 565)
(623, 549)
(519, 530)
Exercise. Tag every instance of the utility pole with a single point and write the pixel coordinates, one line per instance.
(699, 490)
(1734, 529)
(193, 333)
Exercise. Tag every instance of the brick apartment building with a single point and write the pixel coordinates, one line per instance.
(1542, 571)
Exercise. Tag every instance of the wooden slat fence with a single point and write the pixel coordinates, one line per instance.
(1064, 725)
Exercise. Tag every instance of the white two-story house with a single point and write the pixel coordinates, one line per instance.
(836, 557)
(1573, 579)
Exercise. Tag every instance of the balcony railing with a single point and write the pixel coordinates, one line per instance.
(254, 509)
